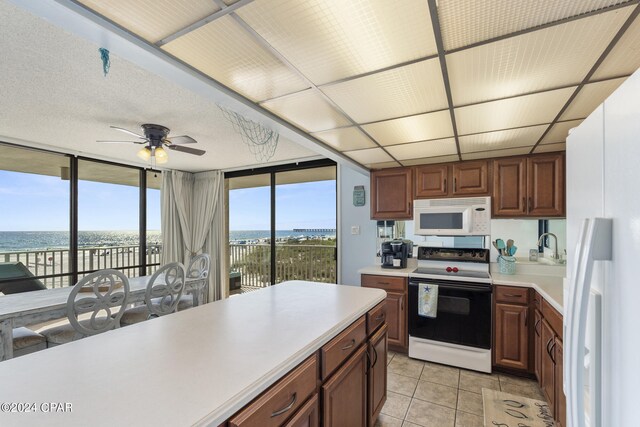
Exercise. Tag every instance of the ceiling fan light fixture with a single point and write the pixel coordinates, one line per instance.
(144, 153)
(161, 155)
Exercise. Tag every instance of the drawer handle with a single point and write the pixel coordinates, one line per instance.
(379, 317)
(548, 349)
(350, 345)
(553, 359)
(375, 354)
(383, 283)
(535, 327)
(513, 295)
(286, 408)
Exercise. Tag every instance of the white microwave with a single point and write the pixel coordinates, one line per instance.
(452, 217)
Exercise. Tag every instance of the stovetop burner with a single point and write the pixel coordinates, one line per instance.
(457, 264)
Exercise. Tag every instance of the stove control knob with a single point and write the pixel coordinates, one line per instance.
(455, 269)
(449, 269)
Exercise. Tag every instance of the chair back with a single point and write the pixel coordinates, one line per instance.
(165, 288)
(104, 294)
(199, 267)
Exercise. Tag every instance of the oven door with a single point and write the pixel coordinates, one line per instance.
(463, 316)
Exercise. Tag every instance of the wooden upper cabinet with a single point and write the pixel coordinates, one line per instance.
(509, 187)
(530, 186)
(391, 194)
(431, 181)
(545, 176)
(471, 179)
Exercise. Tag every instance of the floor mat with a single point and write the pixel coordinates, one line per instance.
(507, 410)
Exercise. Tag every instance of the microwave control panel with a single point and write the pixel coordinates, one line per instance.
(481, 221)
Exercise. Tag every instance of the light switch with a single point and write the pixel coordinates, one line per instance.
(355, 229)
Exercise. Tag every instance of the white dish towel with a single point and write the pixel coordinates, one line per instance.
(427, 300)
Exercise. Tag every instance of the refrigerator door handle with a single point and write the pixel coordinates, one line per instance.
(597, 246)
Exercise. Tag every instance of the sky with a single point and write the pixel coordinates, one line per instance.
(30, 202)
(304, 205)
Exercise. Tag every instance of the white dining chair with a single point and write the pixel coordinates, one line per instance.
(198, 271)
(95, 305)
(161, 297)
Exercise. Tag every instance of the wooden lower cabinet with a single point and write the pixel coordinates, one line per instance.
(377, 377)
(344, 395)
(537, 344)
(395, 307)
(561, 400)
(547, 365)
(512, 336)
(307, 416)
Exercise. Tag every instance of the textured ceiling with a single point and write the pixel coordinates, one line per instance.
(410, 82)
(53, 92)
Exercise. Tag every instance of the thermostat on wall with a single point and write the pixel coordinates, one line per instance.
(358, 195)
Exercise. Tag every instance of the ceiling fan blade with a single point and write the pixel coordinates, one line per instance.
(121, 142)
(182, 139)
(186, 150)
(127, 131)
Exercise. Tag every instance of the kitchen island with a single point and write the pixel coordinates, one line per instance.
(195, 367)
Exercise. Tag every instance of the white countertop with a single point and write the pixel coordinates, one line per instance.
(195, 367)
(549, 287)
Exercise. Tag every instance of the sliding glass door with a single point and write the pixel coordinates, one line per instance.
(281, 223)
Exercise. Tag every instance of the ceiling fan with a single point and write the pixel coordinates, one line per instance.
(154, 138)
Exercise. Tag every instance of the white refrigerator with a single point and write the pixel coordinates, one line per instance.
(602, 288)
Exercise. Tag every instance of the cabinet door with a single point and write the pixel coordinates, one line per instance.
(391, 194)
(397, 320)
(547, 366)
(509, 187)
(344, 395)
(307, 416)
(512, 338)
(545, 176)
(471, 178)
(377, 378)
(431, 181)
(537, 345)
(561, 400)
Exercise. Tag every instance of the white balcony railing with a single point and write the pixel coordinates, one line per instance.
(293, 262)
(56, 261)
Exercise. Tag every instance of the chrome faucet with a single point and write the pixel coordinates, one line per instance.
(555, 256)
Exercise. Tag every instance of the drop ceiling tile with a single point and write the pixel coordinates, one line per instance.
(431, 160)
(152, 20)
(554, 57)
(346, 139)
(589, 97)
(464, 22)
(624, 58)
(369, 156)
(411, 129)
(398, 92)
(307, 110)
(383, 165)
(501, 140)
(497, 153)
(548, 148)
(224, 51)
(559, 132)
(509, 113)
(331, 40)
(416, 150)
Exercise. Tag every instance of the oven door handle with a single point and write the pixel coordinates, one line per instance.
(480, 288)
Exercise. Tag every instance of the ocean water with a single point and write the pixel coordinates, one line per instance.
(40, 240)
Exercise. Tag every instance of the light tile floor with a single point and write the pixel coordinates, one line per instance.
(431, 395)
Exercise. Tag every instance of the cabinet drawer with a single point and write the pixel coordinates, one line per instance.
(552, 317)
(341, 347)
(281, 400)
(376, 317)
(512, 295)
(388, 283)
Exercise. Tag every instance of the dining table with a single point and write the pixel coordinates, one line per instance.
(29, 308)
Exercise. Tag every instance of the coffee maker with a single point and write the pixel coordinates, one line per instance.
(394, 254)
